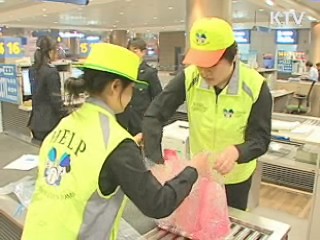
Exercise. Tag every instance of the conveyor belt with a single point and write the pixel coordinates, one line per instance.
(9, 229)
(239, 231)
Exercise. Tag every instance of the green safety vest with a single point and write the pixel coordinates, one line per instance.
(67, 203)
(217, 122)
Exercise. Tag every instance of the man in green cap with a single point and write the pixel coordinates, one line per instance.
(229, 108)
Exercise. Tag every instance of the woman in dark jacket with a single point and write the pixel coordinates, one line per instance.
(47, 104)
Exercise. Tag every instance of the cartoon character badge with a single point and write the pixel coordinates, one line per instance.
(228, 113)
(56, 168)
(201, 38)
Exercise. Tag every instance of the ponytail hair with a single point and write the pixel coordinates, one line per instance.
(92, 82)
(42, 54)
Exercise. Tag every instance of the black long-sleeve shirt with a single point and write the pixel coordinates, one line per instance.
(132, 118)
(125, 168)
(257, 134)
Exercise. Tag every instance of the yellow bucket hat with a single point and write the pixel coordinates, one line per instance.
(209, 38)
(114, 59)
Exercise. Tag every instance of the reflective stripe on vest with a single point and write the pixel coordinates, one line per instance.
(217, 122)
(67, 203)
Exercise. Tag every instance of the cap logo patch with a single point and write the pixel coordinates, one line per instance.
(201, 38)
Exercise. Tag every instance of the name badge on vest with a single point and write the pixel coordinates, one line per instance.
(199, 107)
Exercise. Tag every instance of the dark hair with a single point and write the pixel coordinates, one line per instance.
(92, 82)
(137, 43)
(309, 64)
(41, 56)
(230, 52)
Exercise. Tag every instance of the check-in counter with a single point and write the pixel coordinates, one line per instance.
(302, 87)
(15, 107)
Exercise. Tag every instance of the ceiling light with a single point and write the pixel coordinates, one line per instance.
(163, 27)
(155, 18)
(182, 21)
(128, 0)
(170, 8)
(121, 13)
(148, 30)
(261, 9)
(117, 21)
(310, 18)
(270, 2)
(44, 15)
(114, 26)
(2, 1)
(43, 9)
(55, 22)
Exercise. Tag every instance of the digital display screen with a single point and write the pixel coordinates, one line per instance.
(78, 2)
(242, 36)
(26, 83)
(287, 36)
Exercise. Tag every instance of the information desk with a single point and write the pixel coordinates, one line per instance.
(280, 99)
(302, 87)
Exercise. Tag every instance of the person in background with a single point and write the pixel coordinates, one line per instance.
(47, 104)
(131, 119)
(229, 108)
(313, 73)
(318, 68)
(88, 163)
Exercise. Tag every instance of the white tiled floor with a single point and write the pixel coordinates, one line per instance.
(299, 227)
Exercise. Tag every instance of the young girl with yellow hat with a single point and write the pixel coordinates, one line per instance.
(88, 163)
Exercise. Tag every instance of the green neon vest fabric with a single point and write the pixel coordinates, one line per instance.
(217, 122)
(67, 203)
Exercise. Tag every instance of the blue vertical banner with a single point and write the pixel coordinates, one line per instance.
(85, 46)
(9, 84)
(11, 48)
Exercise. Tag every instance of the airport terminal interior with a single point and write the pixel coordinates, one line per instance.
(279, 39)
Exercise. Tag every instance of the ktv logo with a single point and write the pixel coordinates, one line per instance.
(286, 17)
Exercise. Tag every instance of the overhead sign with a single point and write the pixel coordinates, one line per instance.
(78, 2)
(9, 87)
(286, 17)
(242, 36)
(10, 48)
(85, 46)
(287, 36)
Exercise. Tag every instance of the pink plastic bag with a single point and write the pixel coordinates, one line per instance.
(204, 213)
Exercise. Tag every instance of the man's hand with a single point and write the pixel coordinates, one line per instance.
(227, 160)
(202, 164)
(138, 139)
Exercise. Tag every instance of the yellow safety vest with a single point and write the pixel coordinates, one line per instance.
(217, 122)
(67, 203)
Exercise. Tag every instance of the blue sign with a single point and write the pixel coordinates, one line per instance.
(242, 36)
(85, 46)
(287, 36)
(79, 2)
(11, 48)
(9, 85)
